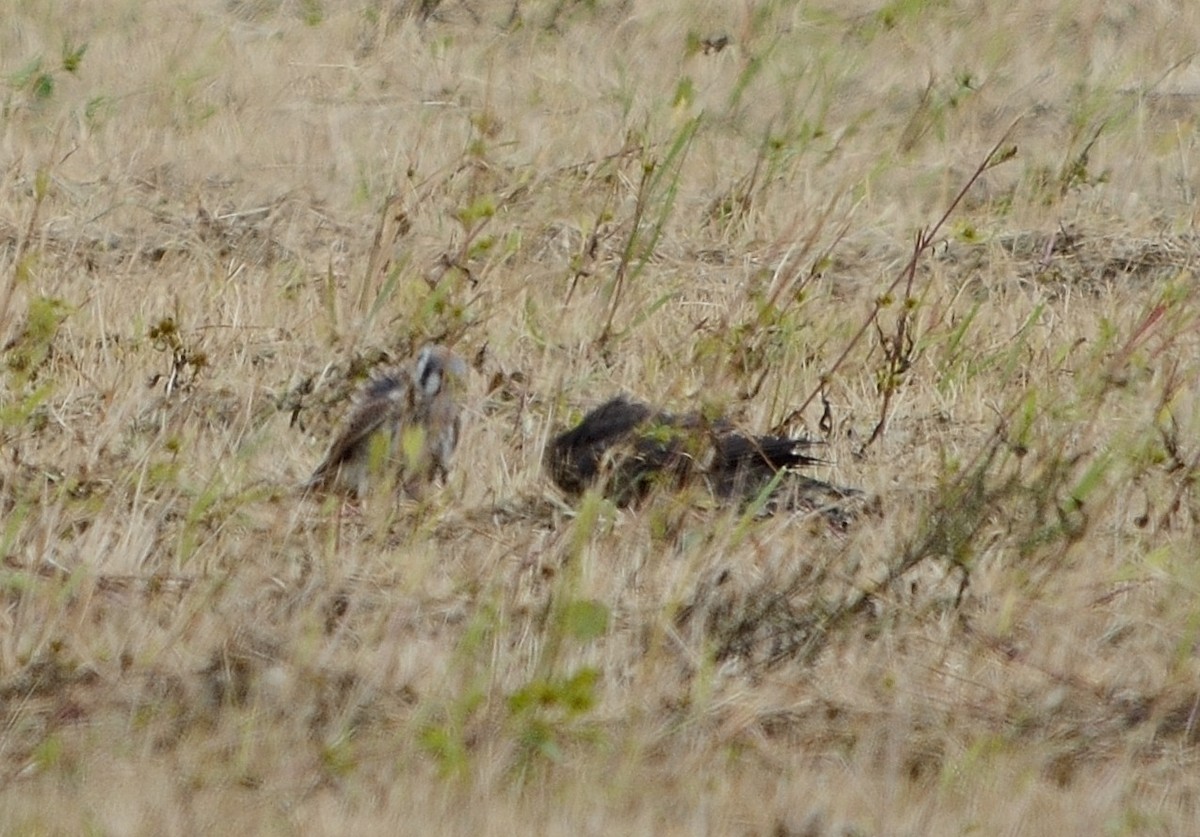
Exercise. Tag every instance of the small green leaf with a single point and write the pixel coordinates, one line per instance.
(578, 693)
(483, 207)
(412, 442)
(586, 619)
(43, 86)
(685, 92)
(72, 56)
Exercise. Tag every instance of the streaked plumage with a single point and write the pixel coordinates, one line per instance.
(633, 447)
(403, 429)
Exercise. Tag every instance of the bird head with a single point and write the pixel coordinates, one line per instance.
(434, 363)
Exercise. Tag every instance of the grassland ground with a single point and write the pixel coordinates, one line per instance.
(216, 218)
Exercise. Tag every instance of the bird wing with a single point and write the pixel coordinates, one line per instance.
(574, 456)
(381, 403)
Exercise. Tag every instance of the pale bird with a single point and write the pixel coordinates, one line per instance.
(629, 448)
(403, 428)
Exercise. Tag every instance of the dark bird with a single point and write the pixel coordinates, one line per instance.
(404, 427)
(629, 448)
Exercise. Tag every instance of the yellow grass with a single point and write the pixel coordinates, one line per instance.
(216, 218)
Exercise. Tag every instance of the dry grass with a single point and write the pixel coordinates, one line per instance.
(219, 215)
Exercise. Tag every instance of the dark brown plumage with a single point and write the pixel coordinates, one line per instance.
(404, 427)
(630, 447)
